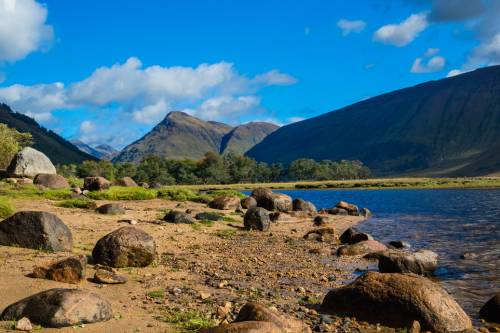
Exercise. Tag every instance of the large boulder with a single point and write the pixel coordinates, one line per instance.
(423, 262)
(30, 162)
(304, 206)
(272, 201)
(225, 202)
(96, 183)
(51, 181)
(396, 300)
(361, 248)
(491, 309)
(257, 218)
(258, 312)
(350, 208)
(111, 209)
(175, 216)
(60, 308)
(353, 236)
(248, 202)
(126, 182)
(67, 270)
(36, 230)
(125, 247)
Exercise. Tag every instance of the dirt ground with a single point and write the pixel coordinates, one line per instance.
(199, 268)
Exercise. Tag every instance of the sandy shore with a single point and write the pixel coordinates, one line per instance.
(198, 268)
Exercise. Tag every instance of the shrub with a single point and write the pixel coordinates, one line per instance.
(177, 194)
(124, 193)
(77, 203)
(188, 321)
(6, 208)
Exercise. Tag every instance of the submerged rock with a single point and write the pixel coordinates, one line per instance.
(30, 162)
(257, 218)
(396, 300)
(60, 308)
(125, 247)
(423, 262)
(400, 244)
(36, 230)
(491, 309)
(67, 270)
(361, 248)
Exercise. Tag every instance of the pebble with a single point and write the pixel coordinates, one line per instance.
(24, 324)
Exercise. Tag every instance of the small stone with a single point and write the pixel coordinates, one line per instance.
(415, 327)
(204, 295)
(24, 324)
(107, 275)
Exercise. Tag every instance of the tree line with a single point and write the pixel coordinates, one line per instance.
(214, 168)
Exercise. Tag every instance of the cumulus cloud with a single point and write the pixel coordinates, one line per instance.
(429, 63)
(140, 95)
(351, 26)
(403, 33)
(23, 29)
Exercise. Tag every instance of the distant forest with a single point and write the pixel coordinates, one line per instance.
(217, 169)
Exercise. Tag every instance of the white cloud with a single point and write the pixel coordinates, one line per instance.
(429, 63)
(35, 99)
(228, 108)
(454, 72)
(403, 33)
(151, 114)
(351, 26)
(87, 126)
(295, 119)
(23, 29)
(485, 54)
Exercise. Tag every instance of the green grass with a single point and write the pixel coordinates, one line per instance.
(231, 193)
(77, 203)
(187, 321)
(6, 208)
(32, 192)
(177, 194)
(160, 293)
(124, 193)
(226, 233)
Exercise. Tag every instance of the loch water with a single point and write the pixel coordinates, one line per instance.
(450, 222)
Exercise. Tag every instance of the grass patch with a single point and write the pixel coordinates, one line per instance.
(32, 192)
(160, 293)
(229, 219)
(6, 208)
(226, 233)
(177, 194)
(77, 203)
(309, 300)
(124, 193)
(188, 321)
(231, 193)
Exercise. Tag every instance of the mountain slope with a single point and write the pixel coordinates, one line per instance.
(103, 152)
(85, 148)
(55, 147)
(178, 136)
(243, 137)
(439, 127)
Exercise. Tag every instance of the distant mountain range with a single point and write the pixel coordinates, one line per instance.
(445, 127)
(55, 147)
(181, 136)
(103, 152)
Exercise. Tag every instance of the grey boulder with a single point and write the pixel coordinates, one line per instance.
(257, 218)
(30, 162)
(36, 230)
(423, 262)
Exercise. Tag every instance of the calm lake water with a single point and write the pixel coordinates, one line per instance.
(449, 222)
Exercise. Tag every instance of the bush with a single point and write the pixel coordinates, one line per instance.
(6, 208)
(188, 321)
(178, 194)
(77, 203)
(124, 193)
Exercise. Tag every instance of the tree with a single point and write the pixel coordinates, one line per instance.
(11, 141)
(96, 168)
(153, 169)
(212, 170)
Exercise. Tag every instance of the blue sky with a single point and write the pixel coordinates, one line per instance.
(108, 71)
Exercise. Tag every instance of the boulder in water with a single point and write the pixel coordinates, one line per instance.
(423, 262)
(36, 230)
(491, 309)
(396, 300)
(60, 308)
(30, 162)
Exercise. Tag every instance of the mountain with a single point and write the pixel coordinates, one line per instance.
(445, 127)
(55, 147)
(181, 136)
(243, 137)
(103, 151)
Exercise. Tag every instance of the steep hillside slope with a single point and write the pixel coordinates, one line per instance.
(55, 147)
(243, 137)
(439, 125)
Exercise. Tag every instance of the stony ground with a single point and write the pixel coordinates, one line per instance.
(203, 274)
